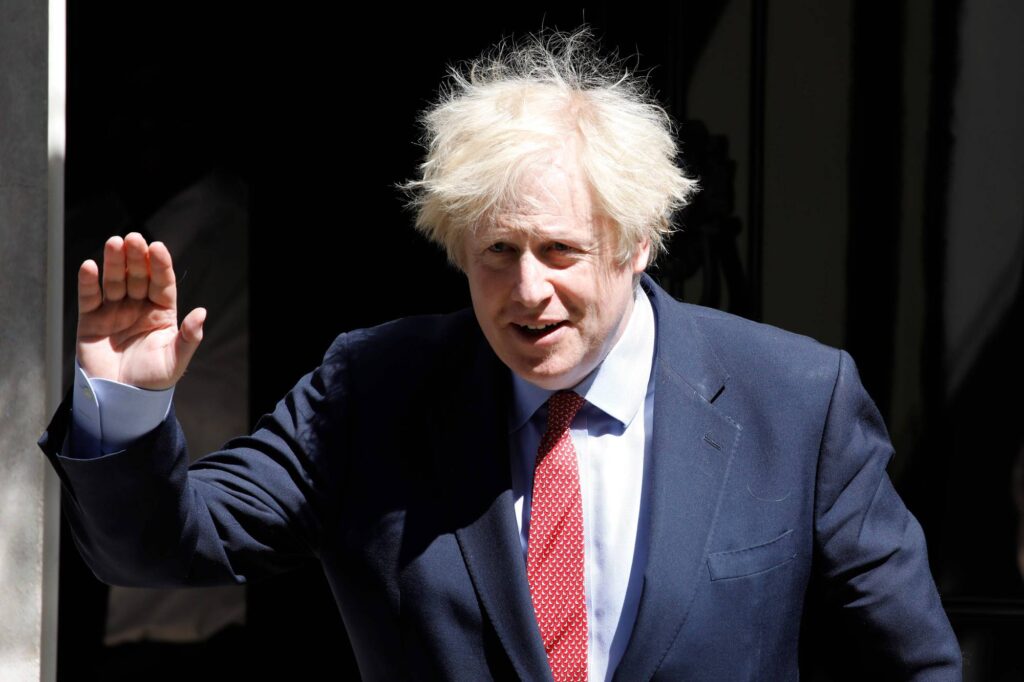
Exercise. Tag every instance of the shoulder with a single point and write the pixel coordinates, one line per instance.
(745, 352)
(405, 349)
(741, 341)
(422, 336)
(425, 332)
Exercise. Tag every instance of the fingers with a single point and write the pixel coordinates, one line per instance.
(189, 336)
(90, 296)
(162, 283)
(137, 269)
(192, 326)
(114, 287)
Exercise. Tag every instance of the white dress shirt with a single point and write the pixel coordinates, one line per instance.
(108, 415)
(612, 438)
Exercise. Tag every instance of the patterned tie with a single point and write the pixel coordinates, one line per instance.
(554, 553)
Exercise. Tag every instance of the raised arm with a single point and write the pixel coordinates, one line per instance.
(128, 327)
(140, 515)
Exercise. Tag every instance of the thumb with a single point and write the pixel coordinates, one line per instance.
(189, 336)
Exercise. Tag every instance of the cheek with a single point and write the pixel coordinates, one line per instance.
(611, 299)
(479, 284)
(487, 295)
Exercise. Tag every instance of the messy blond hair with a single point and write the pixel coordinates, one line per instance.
(513, 106)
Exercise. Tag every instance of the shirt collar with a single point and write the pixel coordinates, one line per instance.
(617, 386)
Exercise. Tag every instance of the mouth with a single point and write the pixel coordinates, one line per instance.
(538, 331)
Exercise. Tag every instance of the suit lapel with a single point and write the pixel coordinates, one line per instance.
(470, 438)
(692, 448)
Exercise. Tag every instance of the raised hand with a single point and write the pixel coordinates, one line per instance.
(128, 329)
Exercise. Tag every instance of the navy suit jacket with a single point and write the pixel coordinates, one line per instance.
(390, 463)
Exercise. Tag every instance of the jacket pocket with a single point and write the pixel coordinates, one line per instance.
(737, 563)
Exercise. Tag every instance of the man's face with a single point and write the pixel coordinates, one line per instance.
(547, 288)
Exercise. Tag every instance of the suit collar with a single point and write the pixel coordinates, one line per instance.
(682, 348)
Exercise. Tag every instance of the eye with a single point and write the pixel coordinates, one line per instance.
(498, 247)
(562, 249)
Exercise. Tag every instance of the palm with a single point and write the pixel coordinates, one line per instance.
(128, 330)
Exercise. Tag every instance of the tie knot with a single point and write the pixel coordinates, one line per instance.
(562, 409)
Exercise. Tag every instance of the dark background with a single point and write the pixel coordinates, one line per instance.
(826, 141)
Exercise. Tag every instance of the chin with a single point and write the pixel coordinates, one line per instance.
(549, 383)
(551, 380)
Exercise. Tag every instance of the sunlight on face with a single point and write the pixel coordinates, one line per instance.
(548, 291)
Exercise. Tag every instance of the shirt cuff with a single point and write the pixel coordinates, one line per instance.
(108, 416)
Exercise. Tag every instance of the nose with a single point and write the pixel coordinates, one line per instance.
(533, 282)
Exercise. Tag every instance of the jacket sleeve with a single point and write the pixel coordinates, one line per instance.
(871, 549)
(143, 517)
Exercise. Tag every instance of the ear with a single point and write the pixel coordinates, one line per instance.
(638, 262)
(457, 254)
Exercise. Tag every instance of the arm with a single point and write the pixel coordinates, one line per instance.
(138, 515)
(142, 517)
(872, 550)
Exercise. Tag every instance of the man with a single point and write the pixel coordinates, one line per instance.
(580, 479)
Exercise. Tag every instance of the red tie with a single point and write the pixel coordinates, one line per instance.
(554, 553)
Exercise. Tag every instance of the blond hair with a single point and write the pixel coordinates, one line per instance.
(517, 103)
